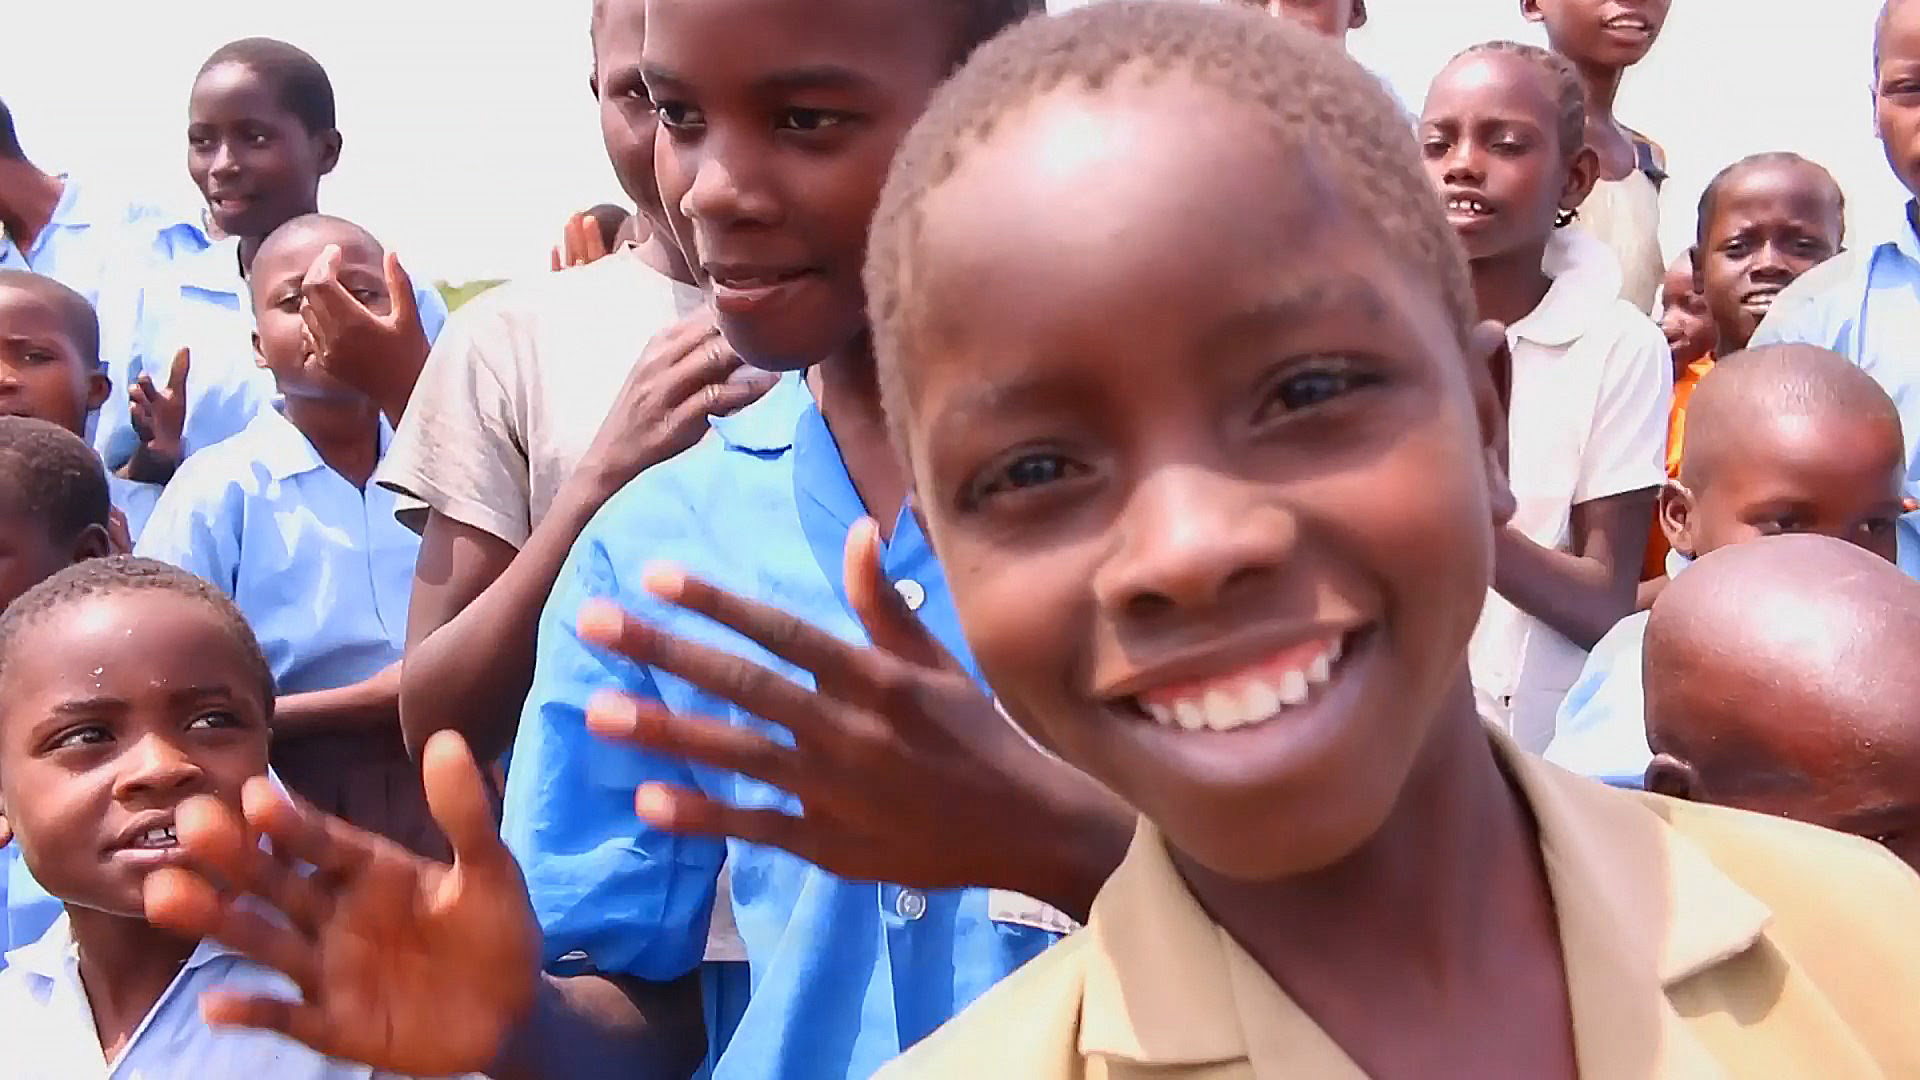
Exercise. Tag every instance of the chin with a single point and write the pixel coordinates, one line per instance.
(780, 345)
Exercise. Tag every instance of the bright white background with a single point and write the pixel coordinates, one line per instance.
(470, 134)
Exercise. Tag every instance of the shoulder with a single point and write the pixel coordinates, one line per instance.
(668, 498)
(1829, 281)
(1027, 1025)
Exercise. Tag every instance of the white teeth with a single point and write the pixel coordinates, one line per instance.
(1249, 699)
(1161, 714)
(1260, 700)
(1190, 716)
(1293, 689)
(1223, 713)
(159, 836)
(1320, 670)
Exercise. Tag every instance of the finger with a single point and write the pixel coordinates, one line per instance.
(681, 811)
(305, 1024)
(793, 639)
(701, 740)
(215, 838)
(576, 239)
(406, 310)
(177, 374)
(273, 944)
(331, 307)
(890, 624)
(557, 267)
(301, 832)
(180, 901)
(705, 364)
(681, 339)
(593, 242)
(738, 393)
(457, 797)
(313, 330)
(730, 677)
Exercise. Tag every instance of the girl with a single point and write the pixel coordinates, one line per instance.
(1503, 140)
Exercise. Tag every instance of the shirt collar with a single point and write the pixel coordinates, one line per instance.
(285, 451)
(767, 425)
(1904, 239)
(1586, 281)
(1640, 909)
(54, 954)
(216, 269)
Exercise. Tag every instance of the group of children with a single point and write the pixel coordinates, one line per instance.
(734, 653)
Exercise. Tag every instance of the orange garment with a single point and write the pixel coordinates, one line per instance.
(1683, 387)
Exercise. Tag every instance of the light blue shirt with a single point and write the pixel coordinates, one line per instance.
(200, 302)
(1865, 305)
(321, 569)
(47, 1026)
(844, 975)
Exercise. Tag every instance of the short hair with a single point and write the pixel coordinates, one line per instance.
(975, 21)
(50, 475)
(299, 83)
(1569, 94)
(308, 222)
(78, 315)
(1311, 94)
(609, 218)
(9, 138)
(129, 573)
(1754, 161)
(1735, 399)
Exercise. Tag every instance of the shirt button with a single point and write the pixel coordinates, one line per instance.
(910, 904)
(912, 592)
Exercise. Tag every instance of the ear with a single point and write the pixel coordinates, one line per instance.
(1359, 15)
(1490, 369)
(1674, 510)
(1582, 174)
(1699, 279)
(259, 354)
(1530, 11)
(593, 83)
(330, 143)
(1669, 776)
(98, 389)
(6, 827)
(94, 542)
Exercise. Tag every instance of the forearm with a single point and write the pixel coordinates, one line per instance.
(1578, 596)
(471, 673)
(370, 705)
(587, 1027)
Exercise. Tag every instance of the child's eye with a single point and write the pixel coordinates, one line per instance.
(1307, 388)
(1881, 526)
(39, 356)
(811, 120)
(214, 718)
(1035, 469)
(677, 117)
(1510, 147)
(1434, 148)
(80, 736)
(366, 296)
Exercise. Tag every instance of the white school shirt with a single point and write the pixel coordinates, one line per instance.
(322, 570)
(1592, 387)
(47, 1029)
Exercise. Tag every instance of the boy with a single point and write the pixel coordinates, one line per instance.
(1781, 677)
(1690, 332)
(1603, 39)
(50, 369)
(54, 512)
(1164, 493)
(127, 687)
(1865, 305)
(283, 519)
(1781, 439)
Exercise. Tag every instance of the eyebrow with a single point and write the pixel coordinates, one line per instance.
(50, 340)
(789, 80)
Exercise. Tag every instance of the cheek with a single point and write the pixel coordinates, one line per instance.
(1023, 612)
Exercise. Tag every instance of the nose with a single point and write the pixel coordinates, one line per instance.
(1462, 164)
(225, 162)
(153, 767)
(1192, 539)
(1770, 262)
(730, 186)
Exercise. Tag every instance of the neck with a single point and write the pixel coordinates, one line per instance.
(27, 200)
(1603, 86)
(250, 245)
(1451, 885)
(1508, 286)
(125, 965)
(345, 432)
(847, 388)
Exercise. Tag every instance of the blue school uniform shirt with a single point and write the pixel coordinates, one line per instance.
(47, 1026)
(321, 569)
(844, 975)
(199, 301)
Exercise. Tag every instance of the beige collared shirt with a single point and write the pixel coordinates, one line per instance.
(1700, 942)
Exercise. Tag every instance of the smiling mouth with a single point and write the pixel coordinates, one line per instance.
(753, 280)
(1264, 690)
(1759, 300)
(1634, 24)
(1469, 207)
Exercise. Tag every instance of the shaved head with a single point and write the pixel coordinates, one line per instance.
(1783, 676)
(1747, 394)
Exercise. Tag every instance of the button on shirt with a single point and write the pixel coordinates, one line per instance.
(1865, 305)
(47, 1028)
(844, 975)
(1592, 386)
(200, 302)
(321, 569)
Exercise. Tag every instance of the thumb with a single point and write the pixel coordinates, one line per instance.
(406, 311)
(177, 375)
(888, 622)
(457, 797)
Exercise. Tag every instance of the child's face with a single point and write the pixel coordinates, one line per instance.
(1204, 458)
(778, 121)
(1490, 139)
(113, 711)
(1832, 475)
(255, 163)
(1896, 94)
(627, 122)
(280, 341)
(1770, 224)
(1684, 317)
(30, 553)
(1605, 33)
(42, 373)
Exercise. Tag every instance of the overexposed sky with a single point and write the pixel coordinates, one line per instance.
(470, 134)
